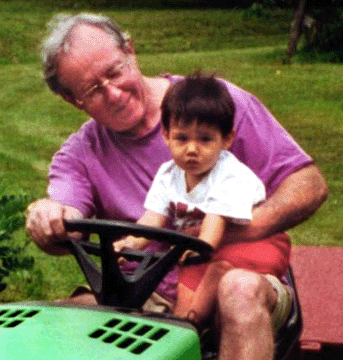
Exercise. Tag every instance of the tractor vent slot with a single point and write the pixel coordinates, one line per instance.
(141, 348)
(112, 323)
(31, 313)
(159, 334)
(112, 338)
(128, 326)
(143, 330)
(13, 324)
(126, 342)
(15, 313)
(97, 333)
(10, 318)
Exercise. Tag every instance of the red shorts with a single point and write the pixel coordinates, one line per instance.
(266, 256)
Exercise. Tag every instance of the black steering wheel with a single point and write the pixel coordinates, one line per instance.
(110, 284)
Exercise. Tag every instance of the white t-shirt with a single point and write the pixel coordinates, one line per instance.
(231, 189)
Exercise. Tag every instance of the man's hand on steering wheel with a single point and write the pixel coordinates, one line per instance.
(44, 223)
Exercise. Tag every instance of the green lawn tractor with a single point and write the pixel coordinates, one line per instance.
(117, 329)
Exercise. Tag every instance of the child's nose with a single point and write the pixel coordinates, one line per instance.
(192, 147)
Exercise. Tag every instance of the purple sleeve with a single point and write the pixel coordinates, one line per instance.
(262, 143)
(69, 183)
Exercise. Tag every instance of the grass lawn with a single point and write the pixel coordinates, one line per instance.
(305, 98)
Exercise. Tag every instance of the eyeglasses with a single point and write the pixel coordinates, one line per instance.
(114, 77)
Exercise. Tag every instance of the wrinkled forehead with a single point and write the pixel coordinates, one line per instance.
(85, 37)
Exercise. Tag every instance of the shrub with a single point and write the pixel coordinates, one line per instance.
(330, 32)
(325, 39)
(11, 218)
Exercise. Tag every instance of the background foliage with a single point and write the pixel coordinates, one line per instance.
(11, 219)
(328, 42)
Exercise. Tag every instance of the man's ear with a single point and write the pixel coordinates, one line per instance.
(129, 48)
(229, 140)
(130, 52)
(165, 135)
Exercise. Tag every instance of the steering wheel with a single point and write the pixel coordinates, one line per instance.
(110, 284)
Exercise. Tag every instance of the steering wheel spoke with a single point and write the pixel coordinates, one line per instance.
(112, 286)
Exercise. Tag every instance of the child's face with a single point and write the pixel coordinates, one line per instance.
(195, 148)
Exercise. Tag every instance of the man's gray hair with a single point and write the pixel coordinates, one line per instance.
(60, 35)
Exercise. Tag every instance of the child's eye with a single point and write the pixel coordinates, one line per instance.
(181, 137)
(206, 138)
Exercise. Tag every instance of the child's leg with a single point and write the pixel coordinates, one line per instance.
(184, 300)
(206, 293)
(198, 283)
(197, 303)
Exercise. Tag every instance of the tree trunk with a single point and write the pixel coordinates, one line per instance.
(296, 27)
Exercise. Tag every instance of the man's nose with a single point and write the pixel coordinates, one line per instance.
(111, 91)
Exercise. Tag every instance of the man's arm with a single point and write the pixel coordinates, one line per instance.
(44, 223)
(294, 201)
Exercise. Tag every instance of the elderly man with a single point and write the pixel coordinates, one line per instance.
(106, 169)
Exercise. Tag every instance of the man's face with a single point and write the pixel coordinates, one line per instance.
(195, 148)
(105, 80)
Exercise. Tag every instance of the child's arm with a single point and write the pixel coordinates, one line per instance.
(150, 218)
(212, 231)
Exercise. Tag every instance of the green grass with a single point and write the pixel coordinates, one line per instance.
(153, 31)
(306, 98)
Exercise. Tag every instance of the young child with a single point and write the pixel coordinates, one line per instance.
(203, 190)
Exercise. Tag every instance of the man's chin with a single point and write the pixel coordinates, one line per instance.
(134, 130)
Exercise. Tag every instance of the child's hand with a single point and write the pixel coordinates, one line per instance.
(131, 242)
(188, 254)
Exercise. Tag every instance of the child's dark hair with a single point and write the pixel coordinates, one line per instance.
(199, 98)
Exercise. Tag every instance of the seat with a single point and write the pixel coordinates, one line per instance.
(287, 344)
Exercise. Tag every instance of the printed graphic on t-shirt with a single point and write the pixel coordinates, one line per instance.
(186, 216)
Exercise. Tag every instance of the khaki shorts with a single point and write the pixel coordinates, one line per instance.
(283, 307)
(157, 303)
(284, 302)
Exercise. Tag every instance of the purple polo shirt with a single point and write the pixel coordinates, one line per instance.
(105, 174)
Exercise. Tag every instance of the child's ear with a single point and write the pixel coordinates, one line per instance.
(229, 140)
(165, 135)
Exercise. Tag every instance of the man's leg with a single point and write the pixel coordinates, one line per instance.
(81, 295)
(246, 301)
